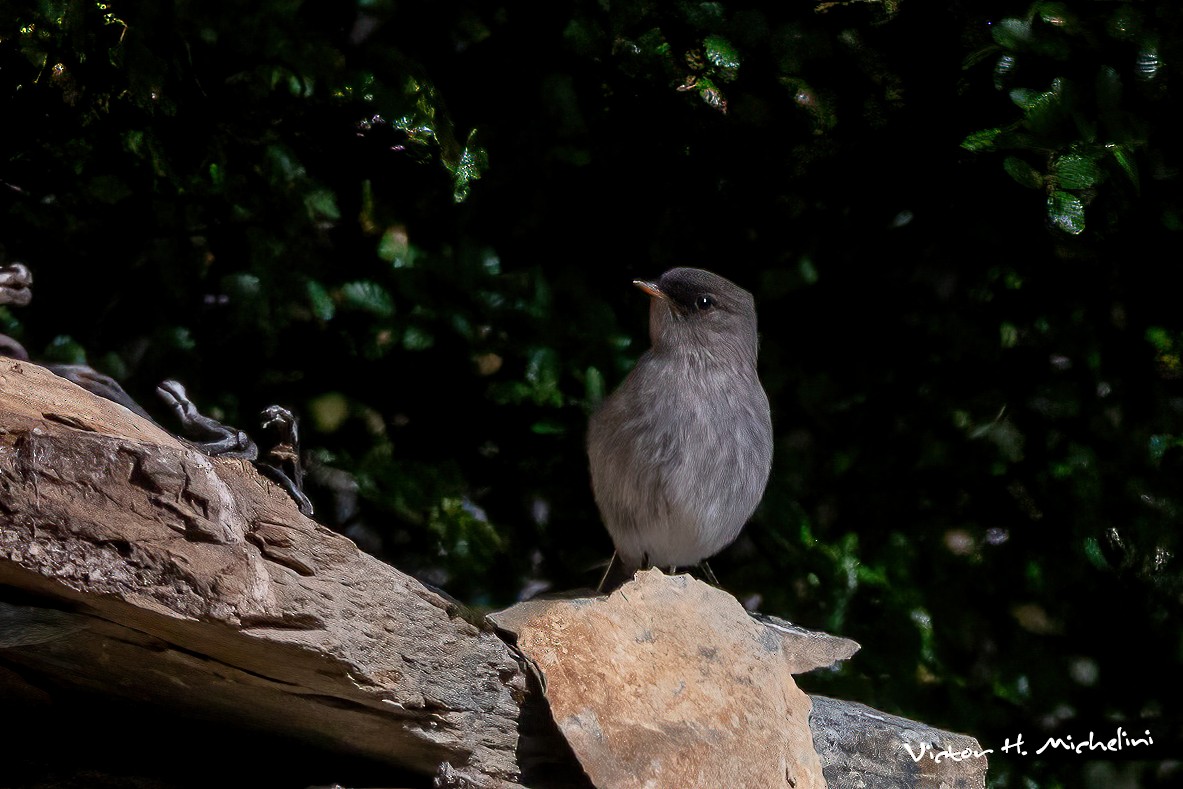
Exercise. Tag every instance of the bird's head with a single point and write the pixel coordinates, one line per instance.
(696, 311)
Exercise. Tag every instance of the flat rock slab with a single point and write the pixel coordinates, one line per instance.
(670, 682)
(862, 747)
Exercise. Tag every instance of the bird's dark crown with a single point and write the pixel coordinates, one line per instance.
(695, 291)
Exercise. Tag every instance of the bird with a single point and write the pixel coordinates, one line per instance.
(680, 453)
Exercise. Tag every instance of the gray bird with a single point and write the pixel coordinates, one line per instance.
(680, 452)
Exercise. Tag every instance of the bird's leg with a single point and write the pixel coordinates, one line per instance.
(607, 570)
(710, 574)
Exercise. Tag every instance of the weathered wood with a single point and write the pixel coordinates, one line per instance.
(195, 583)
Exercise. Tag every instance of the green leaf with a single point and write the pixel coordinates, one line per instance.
(395, 247)
(417, 339)
(1012, 33)
(1125, 23)
(329, 411)
(1025, 98)
(807, 270)
(723, 55)
(1056, 15)
(242, 285)
(709, 92)
(1042, 109)
(1160, 444)
(548, 427)
(64, 349)
(542, 373)
(1008, 337)
(284, 164)
(1125, 160)
(1023, 173)
(1066, 212)
(1147, 64)
(180, 337)
(322, 206)
(1092, 550)
(593, 386)
(1077, 172)
(983, 140)
(474, 160)
(1018, 34)
(1003, 69)
(320, 300)
(463, 530)
(367, 296)
(1109, 90)
(703, 14)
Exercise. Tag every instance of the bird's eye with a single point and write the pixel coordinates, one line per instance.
(704, 303)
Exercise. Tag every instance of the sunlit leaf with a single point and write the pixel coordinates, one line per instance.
(1076, 172)
(474, 160)
(1003, 69)
(1146, 63)
(367, 296)
(1066, 211)
(1056, 14)
(723, 55)
(711, 94)
(1012, 33)
(983, 140)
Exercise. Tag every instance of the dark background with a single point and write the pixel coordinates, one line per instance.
(416, 224)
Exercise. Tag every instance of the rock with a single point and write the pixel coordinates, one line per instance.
(670, 682)
(862, 747)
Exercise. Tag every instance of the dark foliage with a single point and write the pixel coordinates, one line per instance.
(416, 224)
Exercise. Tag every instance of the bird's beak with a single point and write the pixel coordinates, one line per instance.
(650, 288)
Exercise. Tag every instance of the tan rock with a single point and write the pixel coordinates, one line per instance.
(669, 682)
